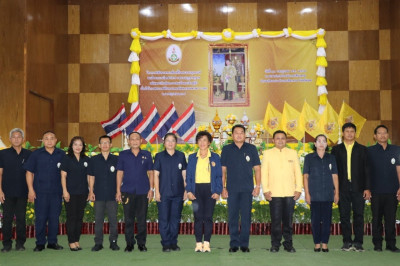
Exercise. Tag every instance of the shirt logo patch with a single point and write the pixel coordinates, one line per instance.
(112, 169)
(248, 158)
(213, 164)
(85, 164)
(180, 166)
(58, 165)
(330, 166)
(393, 161)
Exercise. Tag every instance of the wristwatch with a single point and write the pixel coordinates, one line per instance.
(153, 189)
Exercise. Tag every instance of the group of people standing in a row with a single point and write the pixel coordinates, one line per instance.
(348, 176)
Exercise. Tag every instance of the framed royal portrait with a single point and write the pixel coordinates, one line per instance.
(228, 75)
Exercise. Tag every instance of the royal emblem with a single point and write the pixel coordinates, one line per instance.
(291, 125)
(273, 122)
(310, 125)
(173, 54)
(349, 119)
(329, 128)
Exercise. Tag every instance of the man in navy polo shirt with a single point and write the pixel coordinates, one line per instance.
(135, 190)
(238, 161)
(102, 173)
(44, 185)
(384, 160)
(13, 189)
(169, 181)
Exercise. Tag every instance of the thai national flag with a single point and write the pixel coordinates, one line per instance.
(144, 128)
(164, 123)
(185, 125)
(133, 119)
(111, 125)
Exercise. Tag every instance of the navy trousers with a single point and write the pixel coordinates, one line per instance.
(47, 210)
(203, 209)
(169, 218)
(321, 217)
(239, 203)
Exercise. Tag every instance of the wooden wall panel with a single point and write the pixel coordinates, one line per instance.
(123, 18)
(384, 44)
(12, 35)
(94, 48)
(395, 67)
(386, 104)
(302, 16)
(153, 18)
(337, 46)
(182, 17)
(272, 15)
(73, 19)
(243, 17)
(211, 17)
(364, 75)
(363, 15)
(93, 107)
(332, 15)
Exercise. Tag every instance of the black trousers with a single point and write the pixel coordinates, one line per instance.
(75, 209)
(135, 206)
(321, 218)
(384, 206)
(100, 207)
(281, 209)
(14, 206)
(351, 201)
(203, 209)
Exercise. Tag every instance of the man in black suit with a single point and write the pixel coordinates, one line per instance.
(354, 186)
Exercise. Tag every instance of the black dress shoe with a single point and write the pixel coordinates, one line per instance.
(166, 249)
(317, 249)
(244, 249)
(19, 248)
(129, 248)
(6, 249)
(274, 249)
(97, 247)
(142, 248)
(290, 249)
(233, 249)
(38, 248)
(74, 249)
(55, 246)
(79, 247)
(175, 247)
(114, 246)
(393, 249)
(325, 250)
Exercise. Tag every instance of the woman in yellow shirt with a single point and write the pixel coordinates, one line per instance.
(203, 186)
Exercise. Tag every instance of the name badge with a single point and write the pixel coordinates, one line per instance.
(180, 166)
(393, 161)
(248, 158)
(112, 169)
(85, 164)
(330, 166)
(58, 165)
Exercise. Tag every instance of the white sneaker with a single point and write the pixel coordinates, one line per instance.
(206, 247)
(199, 247)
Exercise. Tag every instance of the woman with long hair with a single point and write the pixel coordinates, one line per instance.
(74, 181)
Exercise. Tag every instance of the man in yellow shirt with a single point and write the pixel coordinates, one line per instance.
(282, 183)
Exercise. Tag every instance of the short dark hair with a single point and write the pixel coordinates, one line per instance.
(134, 132)
(315, 140)
(170, 134)
(279, 132)
(347, 125)
(49, 131)
(238, 126)
(202, 134)
(71, 151)
(105, 137)
(380, 126)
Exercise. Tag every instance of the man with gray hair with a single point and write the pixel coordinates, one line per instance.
(13, 189)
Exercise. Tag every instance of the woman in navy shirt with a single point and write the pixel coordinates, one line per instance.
(203, 186)
(74, 180)
(321, 187)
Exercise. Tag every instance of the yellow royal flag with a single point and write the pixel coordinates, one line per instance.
(349, 115)
(291, 122)
(272, 119)
(309, 118)
(329, 123)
